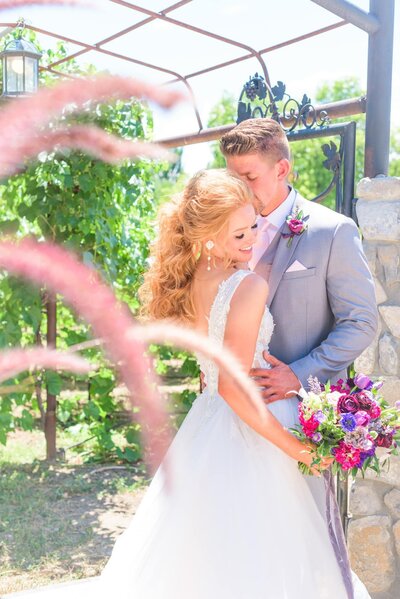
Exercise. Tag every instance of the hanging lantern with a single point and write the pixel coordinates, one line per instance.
(20, 61)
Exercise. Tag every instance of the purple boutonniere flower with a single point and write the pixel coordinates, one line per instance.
(296, 225)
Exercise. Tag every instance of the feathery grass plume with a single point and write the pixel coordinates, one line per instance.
(92, 140)
(23, 121)
(6, 4)
(14, 361)
(197, 342)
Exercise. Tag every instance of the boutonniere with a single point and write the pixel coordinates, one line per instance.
(296, 225)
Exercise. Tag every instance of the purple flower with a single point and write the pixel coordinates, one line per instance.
(364, 455)
(316, 437)
(377, 385)
(362, 418)
(320, 416)
(348, 422)
(397, 404)
(363, 381)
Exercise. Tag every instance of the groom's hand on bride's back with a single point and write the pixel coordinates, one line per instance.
(278, 382)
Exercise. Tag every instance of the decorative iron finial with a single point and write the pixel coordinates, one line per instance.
(290, 113)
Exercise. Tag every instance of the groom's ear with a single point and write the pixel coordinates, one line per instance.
(284, 167)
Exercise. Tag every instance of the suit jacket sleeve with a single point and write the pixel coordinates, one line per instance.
(352, 300)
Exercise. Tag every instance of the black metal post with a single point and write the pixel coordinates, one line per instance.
(379, 90)
(349, 167)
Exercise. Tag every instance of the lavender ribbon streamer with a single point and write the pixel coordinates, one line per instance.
(336, 534)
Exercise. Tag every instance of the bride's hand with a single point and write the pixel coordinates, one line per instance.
(308, 455)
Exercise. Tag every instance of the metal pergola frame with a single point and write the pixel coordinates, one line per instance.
(377, 23)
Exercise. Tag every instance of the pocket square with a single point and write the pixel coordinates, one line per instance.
(296, 266)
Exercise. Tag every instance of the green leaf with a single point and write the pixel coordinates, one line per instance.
(53, 382)
(27, 421)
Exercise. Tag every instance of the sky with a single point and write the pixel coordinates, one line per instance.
(303, 67)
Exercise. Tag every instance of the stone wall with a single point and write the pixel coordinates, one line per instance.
(374, 531)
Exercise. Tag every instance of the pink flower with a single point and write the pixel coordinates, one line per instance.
(375, 411)
(348, 457)
(309, 425)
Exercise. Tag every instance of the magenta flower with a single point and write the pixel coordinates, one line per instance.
(375, 411)
(347, 456)
(296, 225)
(348, 403)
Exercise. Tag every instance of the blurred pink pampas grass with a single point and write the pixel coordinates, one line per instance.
(5, 4)
(92, 140)
(14, 361)
(195, 342)
(23, 121)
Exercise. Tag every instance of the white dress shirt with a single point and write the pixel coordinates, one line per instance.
(269, 225)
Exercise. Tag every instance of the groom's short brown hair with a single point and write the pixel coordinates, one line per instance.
(261, 136)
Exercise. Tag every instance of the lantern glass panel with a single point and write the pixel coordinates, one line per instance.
(30, 75)
(15, 74)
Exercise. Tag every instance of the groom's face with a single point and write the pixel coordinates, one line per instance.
(265, 176)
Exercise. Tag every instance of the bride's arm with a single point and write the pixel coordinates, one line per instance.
(241, 332)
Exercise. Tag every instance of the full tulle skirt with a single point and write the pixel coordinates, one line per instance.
(234, 519)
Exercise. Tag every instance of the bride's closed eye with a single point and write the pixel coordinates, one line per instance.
(255, 226)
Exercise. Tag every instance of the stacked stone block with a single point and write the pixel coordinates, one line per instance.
(374, 531)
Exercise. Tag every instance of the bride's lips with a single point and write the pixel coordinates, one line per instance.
(247, 250)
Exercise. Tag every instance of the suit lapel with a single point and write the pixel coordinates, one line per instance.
(284, 253)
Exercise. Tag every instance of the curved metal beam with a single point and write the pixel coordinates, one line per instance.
(195, 29)
(89, 47)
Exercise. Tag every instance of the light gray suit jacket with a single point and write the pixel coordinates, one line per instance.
(326, 315)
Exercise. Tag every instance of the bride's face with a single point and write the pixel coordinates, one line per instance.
(237, 241)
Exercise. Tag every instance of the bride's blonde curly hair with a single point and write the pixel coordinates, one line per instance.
(191, 218)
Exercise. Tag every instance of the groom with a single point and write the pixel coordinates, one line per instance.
(321, 293)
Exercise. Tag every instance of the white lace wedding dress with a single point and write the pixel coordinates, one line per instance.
(237, 521)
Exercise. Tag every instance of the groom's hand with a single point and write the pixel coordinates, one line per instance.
(279, 382)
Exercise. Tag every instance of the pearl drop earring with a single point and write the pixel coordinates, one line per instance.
(209, 246)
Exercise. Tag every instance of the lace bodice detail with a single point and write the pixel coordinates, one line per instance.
(216, 328)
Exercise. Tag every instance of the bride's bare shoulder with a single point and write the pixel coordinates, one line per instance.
(252, 291)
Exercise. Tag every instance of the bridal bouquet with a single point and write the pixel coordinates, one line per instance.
(349, 421)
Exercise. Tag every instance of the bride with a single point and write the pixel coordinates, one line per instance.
(239, 521)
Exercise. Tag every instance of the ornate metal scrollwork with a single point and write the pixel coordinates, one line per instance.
(277, 104)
